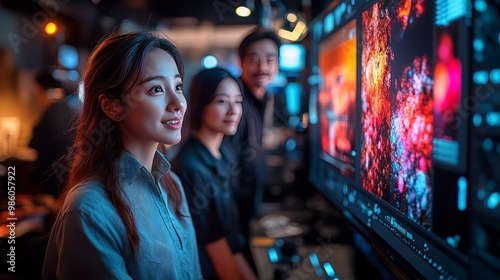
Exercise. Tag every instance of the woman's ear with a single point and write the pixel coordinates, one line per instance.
(112, 108)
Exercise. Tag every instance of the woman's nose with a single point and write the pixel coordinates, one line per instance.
(176, 103)
(230, 110)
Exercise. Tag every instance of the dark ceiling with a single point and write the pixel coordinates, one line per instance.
(219, 12)
(87, 20)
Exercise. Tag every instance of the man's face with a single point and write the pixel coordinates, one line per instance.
(260, 64)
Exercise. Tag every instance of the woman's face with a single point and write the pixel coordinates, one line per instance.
(223, 114)
(156, 106)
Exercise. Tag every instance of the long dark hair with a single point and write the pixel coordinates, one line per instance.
(114, 69)
(202, 92)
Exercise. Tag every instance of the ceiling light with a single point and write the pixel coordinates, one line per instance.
(291, 17)
(50, 28)
(246, 8)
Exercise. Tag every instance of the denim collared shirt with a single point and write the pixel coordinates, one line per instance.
(89, 240)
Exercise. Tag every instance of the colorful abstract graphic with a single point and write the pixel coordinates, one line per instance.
(408, 11)
(375, 100)
(337, 98)
(411, 141)
(397, 107)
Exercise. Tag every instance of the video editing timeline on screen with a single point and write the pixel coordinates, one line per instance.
(484, 106)
(406, 167)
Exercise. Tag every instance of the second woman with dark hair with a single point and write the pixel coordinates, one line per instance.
(204, 168)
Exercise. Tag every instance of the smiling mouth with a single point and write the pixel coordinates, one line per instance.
(171, 122)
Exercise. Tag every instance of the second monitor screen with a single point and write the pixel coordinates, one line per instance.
(397, 106)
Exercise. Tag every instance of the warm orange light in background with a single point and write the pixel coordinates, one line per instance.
(50, 28)
(9, 132)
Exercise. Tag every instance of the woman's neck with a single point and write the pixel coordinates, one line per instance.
(143, 153)
(212, 140)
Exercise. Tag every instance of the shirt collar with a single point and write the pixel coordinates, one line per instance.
(219, 168)
(130, 167)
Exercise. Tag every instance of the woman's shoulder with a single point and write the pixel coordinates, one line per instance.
(86, 197)
(187, 158)
(188, 149)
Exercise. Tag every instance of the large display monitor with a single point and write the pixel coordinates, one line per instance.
(375, 122)
(337, 99)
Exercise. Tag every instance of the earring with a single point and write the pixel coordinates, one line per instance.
(117, 117)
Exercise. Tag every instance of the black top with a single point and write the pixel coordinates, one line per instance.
(206, 184)
(246, 148)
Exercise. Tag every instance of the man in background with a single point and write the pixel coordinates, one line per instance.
(258, 54)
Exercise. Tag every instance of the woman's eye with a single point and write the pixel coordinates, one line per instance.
(156, 89)
(221, 101)
(178, 87)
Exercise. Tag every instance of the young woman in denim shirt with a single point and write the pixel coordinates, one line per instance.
(123, 214)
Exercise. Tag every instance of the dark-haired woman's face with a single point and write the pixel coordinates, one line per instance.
(156, 106)
(223, 114)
